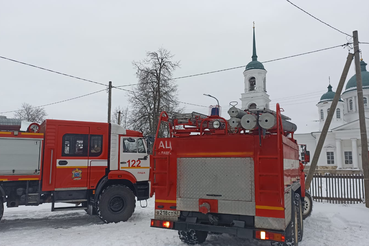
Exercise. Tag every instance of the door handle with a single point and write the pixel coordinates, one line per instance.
(143, 158)
(123, 162)
(62, 163)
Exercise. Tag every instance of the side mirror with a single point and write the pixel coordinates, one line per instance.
(307, 157)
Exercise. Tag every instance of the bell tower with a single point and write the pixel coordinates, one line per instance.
(255, 94)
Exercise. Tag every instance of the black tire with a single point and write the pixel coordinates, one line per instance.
(307, 206)
(292, 238)
(1, 208)
(298, 205)
(91, 209)
(116, 203)
(192, 236)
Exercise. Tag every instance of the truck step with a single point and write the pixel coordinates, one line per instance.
(72, 200)
(68, 208)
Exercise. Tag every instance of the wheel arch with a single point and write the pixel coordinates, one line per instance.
(106, 181)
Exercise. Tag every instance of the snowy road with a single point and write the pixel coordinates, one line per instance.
(329, 225)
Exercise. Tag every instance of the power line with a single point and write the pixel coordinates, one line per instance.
(117, 87)
(273, 60)
(52, 71)
(176, 78)
(242, 66)
(65, 100)
(192, 104)
(325, 23)
(182, 77)
(307, 53)
(299, 96)
(125, 85)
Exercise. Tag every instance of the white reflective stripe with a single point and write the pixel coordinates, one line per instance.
(290, 164)
(72, 163)
(98, 163)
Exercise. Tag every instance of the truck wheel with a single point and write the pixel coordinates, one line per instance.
(1, 208)
(192, 236)
(91, 209)
(116, 203)
(298, 204)
(308, 205)
(292, 238)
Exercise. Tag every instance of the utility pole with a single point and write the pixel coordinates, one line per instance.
(364, 139)
(327, 122)
(119, 113)
(109, 101)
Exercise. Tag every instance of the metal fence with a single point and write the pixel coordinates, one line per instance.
(338, 187)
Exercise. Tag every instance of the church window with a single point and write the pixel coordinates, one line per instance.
(265, 88)
(321, 114)
(365, 101)
(350, 105)
(252, 83)
(348, 157)
(338, 113)
(252, 106)
(330, 158)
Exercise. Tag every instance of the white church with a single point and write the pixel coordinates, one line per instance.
(342, 147)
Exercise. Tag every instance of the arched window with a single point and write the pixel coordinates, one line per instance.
(252, 83)
(265, 88)
(321, 114)
(365, 101)
(338, 113)
(252, 106)
(350, 105)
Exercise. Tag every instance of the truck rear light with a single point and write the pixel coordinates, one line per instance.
(264, 235)
(167, 224)
(162, 224)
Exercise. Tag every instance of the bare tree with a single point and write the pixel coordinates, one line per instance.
(120, 116)
(155, 91)
(30, 113)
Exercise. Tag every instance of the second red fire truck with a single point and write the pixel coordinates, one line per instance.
(242, 177)
(99, 167)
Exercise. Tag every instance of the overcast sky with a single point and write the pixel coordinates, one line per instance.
(98, 40)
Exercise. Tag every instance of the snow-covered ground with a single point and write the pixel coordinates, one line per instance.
(329, 225)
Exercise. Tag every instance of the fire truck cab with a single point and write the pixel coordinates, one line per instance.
(98, 167)
(244, 180)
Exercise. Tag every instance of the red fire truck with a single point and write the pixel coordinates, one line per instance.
(241, 177)
(98, 167)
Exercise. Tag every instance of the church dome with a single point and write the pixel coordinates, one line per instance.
(328, 96)
(254, 65)
(351, 84)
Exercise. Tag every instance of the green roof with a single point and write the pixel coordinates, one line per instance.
(351, 84)
(254, 64)
(329, 95)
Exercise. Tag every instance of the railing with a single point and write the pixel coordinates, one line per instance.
(338, 187)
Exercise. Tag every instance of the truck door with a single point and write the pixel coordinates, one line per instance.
(133, 157)
(72, 157)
